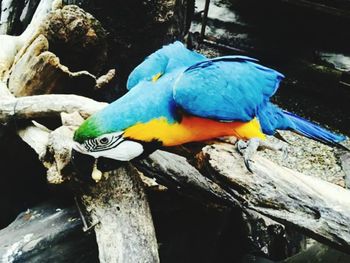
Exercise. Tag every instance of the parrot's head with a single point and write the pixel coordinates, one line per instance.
(94, 139)
(94, 145)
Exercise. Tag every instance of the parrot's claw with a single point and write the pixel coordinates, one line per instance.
(249, 148)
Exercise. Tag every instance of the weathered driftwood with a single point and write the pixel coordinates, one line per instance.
(277, 192)
(34, 70)
(11, 45)
(119, 204)
(124, 229)
(47, 233)
(284, 195)
(37, 70)
(47, 106)
(58, 79)
(175, 172)
(318, 208)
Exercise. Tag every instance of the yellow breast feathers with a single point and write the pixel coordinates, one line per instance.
(192, 129)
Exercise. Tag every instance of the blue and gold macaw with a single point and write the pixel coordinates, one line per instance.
(178, 96)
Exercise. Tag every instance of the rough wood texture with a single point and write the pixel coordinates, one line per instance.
(118, 202)
(77, 38)
(39, 71)
(316, 207)
(35, 70)
(125, 231)
(46, 106)
(47, 233)
(175, 172)
(14, 44)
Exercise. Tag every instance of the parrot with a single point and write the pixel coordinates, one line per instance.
(176, 96)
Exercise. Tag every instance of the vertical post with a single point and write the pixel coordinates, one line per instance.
(204, 19)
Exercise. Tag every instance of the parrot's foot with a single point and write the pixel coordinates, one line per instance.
(249, 148)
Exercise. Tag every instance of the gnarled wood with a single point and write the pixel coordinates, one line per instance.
(47, 233)
(277, 192)
(118, 202)
(316, 207)
(47, 106)
(11, 45)
(125, 231)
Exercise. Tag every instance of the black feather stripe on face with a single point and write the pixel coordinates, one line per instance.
(95, 145)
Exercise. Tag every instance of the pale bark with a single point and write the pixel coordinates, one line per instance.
(125, 231)
(11, 45)
(217, 175)
(316, 207)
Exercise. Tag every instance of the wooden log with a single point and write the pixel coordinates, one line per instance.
(317, 208)
(40, 72)
(47, 106)
(175, 172)
(314, 206)
(49, 232)
(125, 231)
(279, 193)
(14, 44)
(220, 186)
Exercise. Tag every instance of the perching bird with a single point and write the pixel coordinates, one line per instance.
(178, 96)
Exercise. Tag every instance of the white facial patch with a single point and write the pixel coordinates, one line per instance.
(112, 146)
(125, 151)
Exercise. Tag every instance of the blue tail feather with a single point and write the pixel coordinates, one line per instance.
(313, 131)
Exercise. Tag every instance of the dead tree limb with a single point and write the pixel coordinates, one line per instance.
(125, 231)
(11, 45)
(317, 208)
(32, 107)
(42, 233)
(314, 206)
(30, 69)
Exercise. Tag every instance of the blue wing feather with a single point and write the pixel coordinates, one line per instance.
(163, 61)
(226, 88)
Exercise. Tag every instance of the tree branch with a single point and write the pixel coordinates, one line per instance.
(32, 107)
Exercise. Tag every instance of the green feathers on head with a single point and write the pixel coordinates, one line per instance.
(88, 130)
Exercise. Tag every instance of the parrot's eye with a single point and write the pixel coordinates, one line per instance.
(104, 140)
(103, 143)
